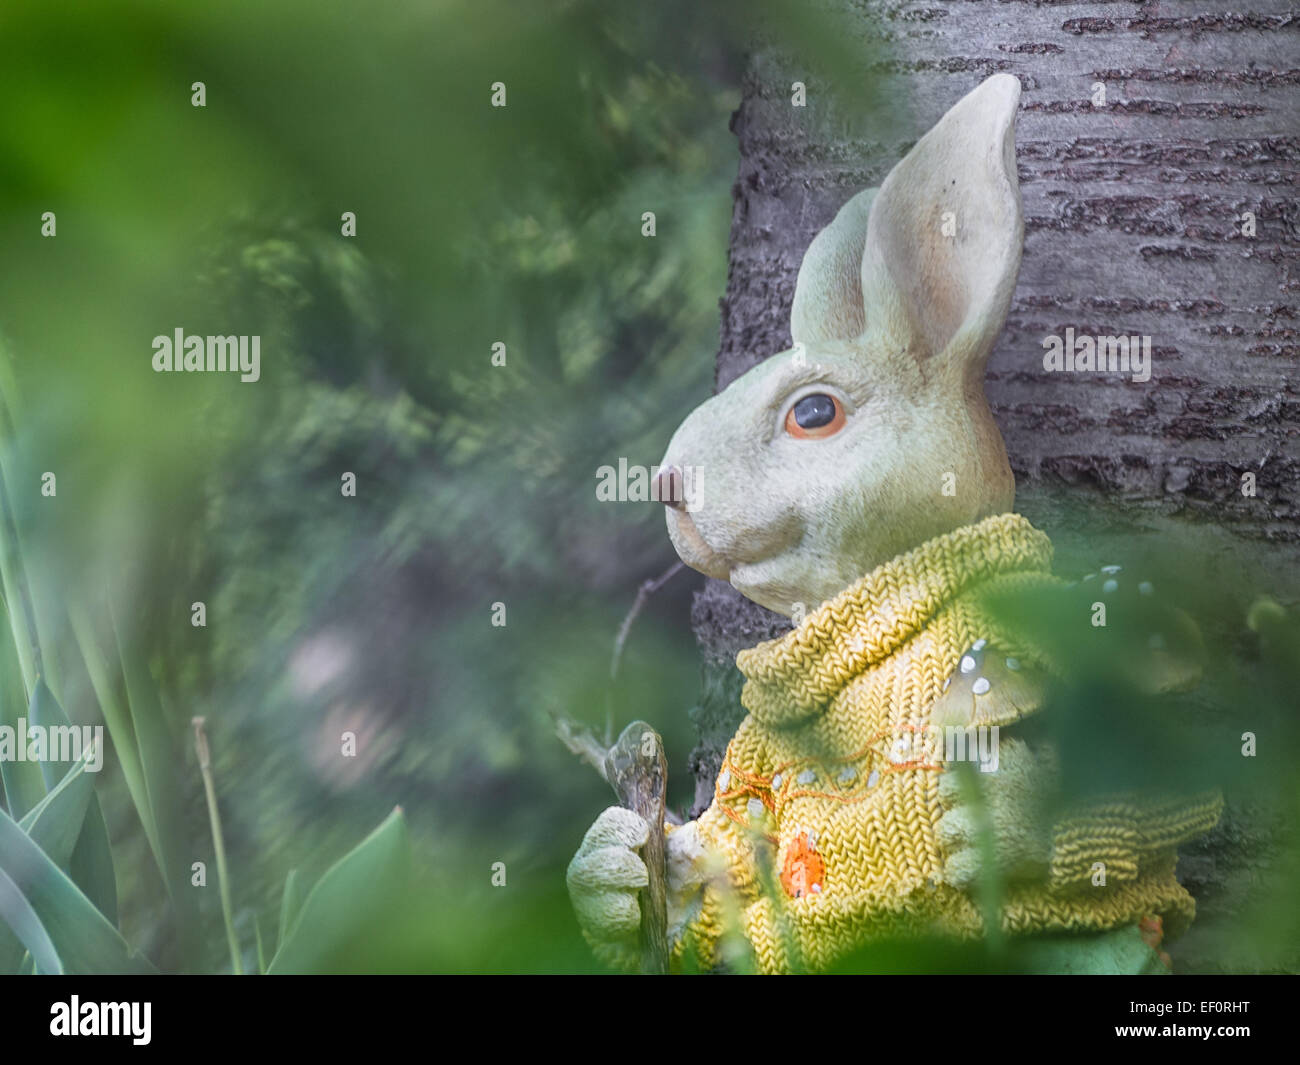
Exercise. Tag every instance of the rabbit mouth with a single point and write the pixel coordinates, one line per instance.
(693, 549)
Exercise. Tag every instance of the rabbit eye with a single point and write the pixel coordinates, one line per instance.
(815, 417)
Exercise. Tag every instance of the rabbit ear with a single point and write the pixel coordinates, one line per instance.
(943, 241)
(828, 293)
(895, 262)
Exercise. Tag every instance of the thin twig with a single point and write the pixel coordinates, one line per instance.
(582, 742)
(647, 589)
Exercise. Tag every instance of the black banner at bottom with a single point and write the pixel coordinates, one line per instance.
(338, 1015)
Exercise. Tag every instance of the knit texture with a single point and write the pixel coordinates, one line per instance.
(824, 815)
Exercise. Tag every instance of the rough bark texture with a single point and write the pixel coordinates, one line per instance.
(1132, 226)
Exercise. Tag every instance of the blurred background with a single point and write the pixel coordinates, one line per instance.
(475, 482)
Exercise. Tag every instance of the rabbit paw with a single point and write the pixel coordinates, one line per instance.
(607, 874)
(604, 878)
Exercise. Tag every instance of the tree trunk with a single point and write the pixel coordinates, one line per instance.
(1133, 225)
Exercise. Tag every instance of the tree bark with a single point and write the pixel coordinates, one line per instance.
(1133, 225)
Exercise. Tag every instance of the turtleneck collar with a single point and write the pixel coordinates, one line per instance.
(797, 675)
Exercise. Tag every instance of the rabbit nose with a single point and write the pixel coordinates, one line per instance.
(668, 487)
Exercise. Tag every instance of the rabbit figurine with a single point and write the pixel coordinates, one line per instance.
(858, 484)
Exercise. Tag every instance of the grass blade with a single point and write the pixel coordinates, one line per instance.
(218, 843)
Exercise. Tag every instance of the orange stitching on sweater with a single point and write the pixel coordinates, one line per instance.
(748, 778)
(745, 824)
(860, 753)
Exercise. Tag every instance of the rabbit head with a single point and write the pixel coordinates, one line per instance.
(872, 434)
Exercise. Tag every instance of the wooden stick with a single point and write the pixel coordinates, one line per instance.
(635, 767)
(637, 771)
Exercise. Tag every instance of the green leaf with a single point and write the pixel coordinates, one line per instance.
(10, 576)
(46, 712)
(90, 859)
(290, 905)
(159, 758)
(117, 719)
(354, 893)
(50, 915)
(147, 753)
(22, 919)
(261, 951)
(55, 822)
(24, 786)
(92, 867)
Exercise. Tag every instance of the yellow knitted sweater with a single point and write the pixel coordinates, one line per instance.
(828, 836)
